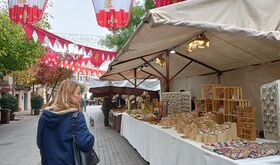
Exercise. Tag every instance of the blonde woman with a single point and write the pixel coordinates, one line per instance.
(54, 135)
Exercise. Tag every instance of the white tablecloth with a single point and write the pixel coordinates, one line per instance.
(166, 147)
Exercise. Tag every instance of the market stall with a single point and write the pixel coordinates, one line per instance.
(102, 88)
(164, 146)
(242, 48)
(234, 43)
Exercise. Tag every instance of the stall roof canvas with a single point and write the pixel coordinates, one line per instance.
(241, 33)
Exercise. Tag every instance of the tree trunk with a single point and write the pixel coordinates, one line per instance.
(48, 99)
(13, 86)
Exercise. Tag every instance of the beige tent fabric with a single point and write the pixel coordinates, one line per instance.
(254, 17)
(241, 33)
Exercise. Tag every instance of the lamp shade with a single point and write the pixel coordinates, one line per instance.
(26, 11)
(201, 42)
(112, 14)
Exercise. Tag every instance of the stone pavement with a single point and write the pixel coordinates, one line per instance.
(18, 142)
(109, 145)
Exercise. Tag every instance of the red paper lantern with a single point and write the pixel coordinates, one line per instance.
(26, 11)
(112, 14)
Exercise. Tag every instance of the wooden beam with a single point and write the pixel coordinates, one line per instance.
(199, 62)
(121, 62)
(148, 73)
(126, 71)
(153, 67)
(144, 80)
(181, 70)
(130, 69)
(126, 78)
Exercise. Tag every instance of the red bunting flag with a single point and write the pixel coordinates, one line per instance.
(97, 56)
(26, 11)
(112, 14)
(51, 58)
(160, 3)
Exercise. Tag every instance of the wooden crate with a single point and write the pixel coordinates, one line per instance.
(231, 108)
(247, 133)
(246, 123)
(219, 92)
(208, 105)
(234, 93)
(199, 105)
(218, 105)
(207, 91)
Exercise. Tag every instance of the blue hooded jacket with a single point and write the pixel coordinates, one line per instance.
(54, 137)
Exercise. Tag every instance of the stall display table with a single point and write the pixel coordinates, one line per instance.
(116, 121)
(161, 146)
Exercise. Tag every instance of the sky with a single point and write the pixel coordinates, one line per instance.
(75, 20)
(74, 17)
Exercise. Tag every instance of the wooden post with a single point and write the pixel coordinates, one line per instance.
(135, 77)
(167, 71)
(219, 77)
(135, 85)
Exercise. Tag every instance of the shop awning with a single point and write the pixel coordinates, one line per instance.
(241, 33)
(5, 89)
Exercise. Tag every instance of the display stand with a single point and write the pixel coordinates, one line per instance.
(221, 100)
(225, 103)
(246, 123)
(180, 101)
(270, 98)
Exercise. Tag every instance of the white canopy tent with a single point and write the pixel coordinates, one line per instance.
(241, 33)
(151, 84)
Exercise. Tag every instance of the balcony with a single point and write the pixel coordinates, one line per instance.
(20, 87)
(4, 82)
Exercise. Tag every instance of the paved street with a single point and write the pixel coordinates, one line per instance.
(18, 142)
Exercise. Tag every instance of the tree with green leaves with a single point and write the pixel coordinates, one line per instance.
(121, 35)
(16, 52)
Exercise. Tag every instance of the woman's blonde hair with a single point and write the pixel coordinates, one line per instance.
(64, 98)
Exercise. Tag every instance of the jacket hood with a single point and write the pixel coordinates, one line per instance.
(54, 118)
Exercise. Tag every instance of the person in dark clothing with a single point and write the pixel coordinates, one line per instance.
(54, 134)
(84, 105)
(107, 105)
(193, 103)
(120, 101)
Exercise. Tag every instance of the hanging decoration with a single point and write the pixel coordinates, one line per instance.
(75, 67)
(74, 63)
(160, 3)
(26, 11)
(51, 59)
(112, 14)
(97, 58)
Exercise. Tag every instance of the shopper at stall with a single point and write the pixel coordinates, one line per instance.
(120, 101)
(107, 105)
(54, 134)
(84, 105)
(193, 103)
